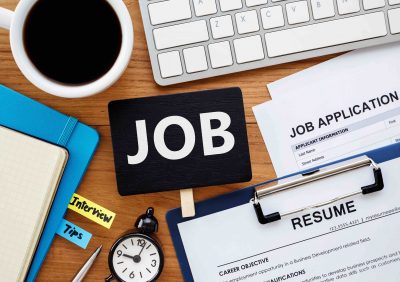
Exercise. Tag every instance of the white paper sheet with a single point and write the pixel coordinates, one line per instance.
(308, 99)
(360, 245)
(375, 59)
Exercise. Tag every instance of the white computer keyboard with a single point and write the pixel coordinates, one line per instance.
(196, 39)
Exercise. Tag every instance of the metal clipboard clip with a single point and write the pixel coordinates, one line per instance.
(265, 190)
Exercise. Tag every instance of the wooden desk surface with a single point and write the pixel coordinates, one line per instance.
(99, 184)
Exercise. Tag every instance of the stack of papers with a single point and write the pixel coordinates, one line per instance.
(345, 106)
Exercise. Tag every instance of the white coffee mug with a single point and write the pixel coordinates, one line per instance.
(14, 21)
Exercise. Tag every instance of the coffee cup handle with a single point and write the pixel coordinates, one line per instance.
(5, 18)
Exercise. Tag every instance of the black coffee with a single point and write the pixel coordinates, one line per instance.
(72, 41)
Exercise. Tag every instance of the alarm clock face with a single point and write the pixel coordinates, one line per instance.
(136, 257)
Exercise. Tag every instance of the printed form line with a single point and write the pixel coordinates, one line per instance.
(308, 239)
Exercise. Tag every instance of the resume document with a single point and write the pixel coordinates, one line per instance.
(356, 239)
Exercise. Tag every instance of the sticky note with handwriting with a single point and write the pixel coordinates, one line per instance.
(91, 210)
(74, 234)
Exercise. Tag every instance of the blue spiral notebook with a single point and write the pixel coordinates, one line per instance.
(25, 115)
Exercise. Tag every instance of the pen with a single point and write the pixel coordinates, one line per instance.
(85, 268)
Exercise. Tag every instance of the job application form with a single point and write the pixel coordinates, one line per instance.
(354, 109)
(355, 239)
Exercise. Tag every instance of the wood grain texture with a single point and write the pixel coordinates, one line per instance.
(99, 184)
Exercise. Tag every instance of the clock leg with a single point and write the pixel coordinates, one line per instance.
(109, 278)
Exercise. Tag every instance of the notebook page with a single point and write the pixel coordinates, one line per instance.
(30, 170)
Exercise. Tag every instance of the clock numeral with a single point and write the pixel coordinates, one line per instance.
(153, 263)
(119, 253)
(141, 243)
(132, 275)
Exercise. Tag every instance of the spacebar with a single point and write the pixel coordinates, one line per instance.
(325, 34)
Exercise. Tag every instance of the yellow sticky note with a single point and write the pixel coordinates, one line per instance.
(91, 210)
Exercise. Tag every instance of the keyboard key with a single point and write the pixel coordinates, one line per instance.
(251, 3)
(272, 17)
(297, 12)
(394, 20)
(373, 4)
(169, 11)
(322, 9)
(348, 6)
(195, 59)
(181, 34)
(220, 54)
(222, 27)
(248, 49)
(247, 22)
(394, 2)
(229, 5)
(325, 34)
(204, 7)
(170, 64)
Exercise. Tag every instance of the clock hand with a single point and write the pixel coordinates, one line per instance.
(144, 245)
(136, 258)
(128, 256)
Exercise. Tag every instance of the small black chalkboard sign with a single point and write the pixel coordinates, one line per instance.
(179, 141)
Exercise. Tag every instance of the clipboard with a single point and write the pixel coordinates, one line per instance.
(250, 194)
